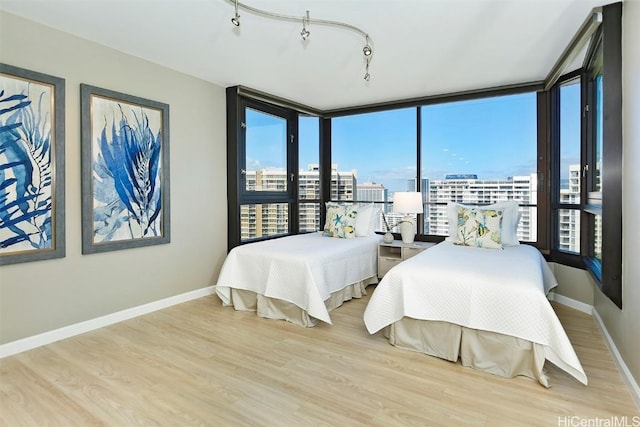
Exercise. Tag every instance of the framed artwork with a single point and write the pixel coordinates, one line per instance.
(125, 171)
(31, 166)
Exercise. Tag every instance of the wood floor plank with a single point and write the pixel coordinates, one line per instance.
(201, 364)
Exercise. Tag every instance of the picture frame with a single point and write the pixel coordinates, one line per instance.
(32, 166)
(125, 171)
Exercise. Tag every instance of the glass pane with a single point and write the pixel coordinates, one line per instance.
(528, 225)
(569, 230)
(266, 152)
(597, 238)
(309, 159)
(570, 143)
(309, 217)
(598, 148)
(262, 220)
(480, 152)
(373, 155)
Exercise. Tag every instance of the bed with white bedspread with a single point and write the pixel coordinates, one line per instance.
(298, 278)
(488, 307)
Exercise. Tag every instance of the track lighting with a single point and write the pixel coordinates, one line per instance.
(367, 50)
(305, 33)
(236, 19)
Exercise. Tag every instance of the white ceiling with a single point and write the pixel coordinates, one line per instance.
(421, 47)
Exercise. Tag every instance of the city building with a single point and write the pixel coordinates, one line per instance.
(467, 189)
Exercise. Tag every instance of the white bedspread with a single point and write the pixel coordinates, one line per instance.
(302, 269)
(501, 291)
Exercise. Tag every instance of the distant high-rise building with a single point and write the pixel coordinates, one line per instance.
(467, 189)
(371, 192)
(411, 184)
(258, 220)
(309, 189)
(569, 219)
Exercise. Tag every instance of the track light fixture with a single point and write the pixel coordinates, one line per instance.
(236, 19)
(305, 33)
(367, 50)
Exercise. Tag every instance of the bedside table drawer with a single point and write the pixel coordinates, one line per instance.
(385, 264)
(408, 252)
(390, 254)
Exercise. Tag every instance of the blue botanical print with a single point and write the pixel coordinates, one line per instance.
(127, 191)
(25, 169)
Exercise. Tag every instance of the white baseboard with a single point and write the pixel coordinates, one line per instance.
(49, 337)
(569, 302)
(626, 374)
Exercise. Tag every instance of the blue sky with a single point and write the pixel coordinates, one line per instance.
(493, 138)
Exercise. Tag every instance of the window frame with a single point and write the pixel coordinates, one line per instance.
(608, 201)
(573, 259)
(604, 56)
(237, 195)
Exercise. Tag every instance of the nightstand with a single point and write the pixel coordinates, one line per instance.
(390, 254)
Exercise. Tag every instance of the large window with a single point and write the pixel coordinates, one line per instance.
(479, 152)
(262, 153)
(374, 155)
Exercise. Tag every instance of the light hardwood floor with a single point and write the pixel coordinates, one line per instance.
(202, 364)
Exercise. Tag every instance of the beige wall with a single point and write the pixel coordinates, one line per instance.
(624, 325)
(40, 296)
(574, 283)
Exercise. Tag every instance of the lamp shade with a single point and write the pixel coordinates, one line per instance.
(407, 202)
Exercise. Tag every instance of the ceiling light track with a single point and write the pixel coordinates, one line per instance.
(307, 21)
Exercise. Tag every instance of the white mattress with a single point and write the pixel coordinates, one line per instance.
(501, 291)
(302, 269)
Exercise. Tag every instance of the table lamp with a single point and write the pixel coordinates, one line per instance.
(407, 203)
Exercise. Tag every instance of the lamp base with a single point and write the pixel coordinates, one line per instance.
(407, 229)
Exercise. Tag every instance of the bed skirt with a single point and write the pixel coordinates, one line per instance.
(490, 352)
(273, 308)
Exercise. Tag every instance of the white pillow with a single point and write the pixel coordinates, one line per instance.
(363, 220)
(367, 219)
(375, 218)
(511, 217)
